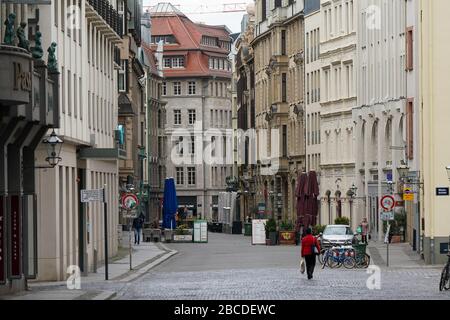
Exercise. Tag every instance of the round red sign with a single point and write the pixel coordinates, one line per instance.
(388, 203)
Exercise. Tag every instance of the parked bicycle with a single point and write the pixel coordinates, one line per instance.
(444, 284)
(361, 257)
(337, 256)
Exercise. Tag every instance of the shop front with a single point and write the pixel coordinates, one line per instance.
(28, 109)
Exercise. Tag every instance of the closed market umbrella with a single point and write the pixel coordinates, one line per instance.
(300, 193)
(170, 204)
(311, 195)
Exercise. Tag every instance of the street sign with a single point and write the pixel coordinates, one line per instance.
(129, 201)
(408, 193)
(442, 192)
(387, 216)
(387, 203)
(92, 196)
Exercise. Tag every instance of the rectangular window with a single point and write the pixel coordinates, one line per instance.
(177, 117)
(284, 87)
(263, 11)
(410, 129)
(69, 91)
(192, 145)
(283, 42)
(63, 89)
(285, 141)
(211, 63)
(80, 92)
(177, 88)
(180, 176)
(192, 88)
(191, 176)
(167, 63)
(89, 110)
(192, 116)
(178, 62)
(409, 49)
(75, 96)
(122, 81)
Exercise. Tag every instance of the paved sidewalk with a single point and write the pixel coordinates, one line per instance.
(144, 257)
(401, 255)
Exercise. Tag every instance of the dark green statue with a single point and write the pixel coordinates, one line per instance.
(23, 42)
(37, 51)
(52, 64)
(10, 35)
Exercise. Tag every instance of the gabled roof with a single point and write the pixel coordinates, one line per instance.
(168, 20)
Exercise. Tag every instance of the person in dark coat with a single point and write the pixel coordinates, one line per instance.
(308, 244)
(138, 223)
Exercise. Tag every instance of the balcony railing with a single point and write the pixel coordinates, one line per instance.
(109, 14)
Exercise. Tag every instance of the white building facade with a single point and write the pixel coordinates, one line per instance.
(71, 233)
(337, 99)
(380, 116)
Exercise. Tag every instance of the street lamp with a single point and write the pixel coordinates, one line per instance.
(351, 193)
(54, 146)
(403, 172)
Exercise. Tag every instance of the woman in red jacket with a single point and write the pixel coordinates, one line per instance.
(309, 242)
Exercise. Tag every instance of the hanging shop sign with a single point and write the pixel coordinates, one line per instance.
(16, 236)
(408, 193)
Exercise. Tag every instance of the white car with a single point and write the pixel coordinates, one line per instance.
(337, 235)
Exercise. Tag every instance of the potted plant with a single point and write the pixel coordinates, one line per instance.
(271, 231)
(287, 233)
(342, 221)
(182, 234)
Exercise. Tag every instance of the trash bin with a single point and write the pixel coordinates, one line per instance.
(248, 229)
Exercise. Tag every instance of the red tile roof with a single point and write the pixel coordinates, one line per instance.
(189, 36)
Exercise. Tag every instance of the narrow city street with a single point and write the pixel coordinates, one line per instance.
(229, 267)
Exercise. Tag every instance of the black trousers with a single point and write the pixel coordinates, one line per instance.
(310, 264)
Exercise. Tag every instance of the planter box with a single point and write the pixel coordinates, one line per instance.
(182, 238)
(287, 237)
(396, 239)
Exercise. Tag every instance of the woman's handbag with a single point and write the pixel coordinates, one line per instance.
(302, 265)
(314, 250)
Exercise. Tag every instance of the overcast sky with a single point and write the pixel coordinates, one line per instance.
(231, 20)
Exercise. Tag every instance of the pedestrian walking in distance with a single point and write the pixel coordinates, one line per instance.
(364, 230)
(310, 248)
(138, 223)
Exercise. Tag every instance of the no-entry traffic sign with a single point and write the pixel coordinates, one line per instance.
(387, 203)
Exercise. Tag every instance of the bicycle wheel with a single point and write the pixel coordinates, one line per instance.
(321, 257)
(349, 263)
(363, 261)
(444, 279)
(334, 261)
(326, 257)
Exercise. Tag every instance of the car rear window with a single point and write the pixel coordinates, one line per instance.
(338, 231)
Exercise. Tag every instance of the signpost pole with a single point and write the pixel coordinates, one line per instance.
(129, 243)
(105, 204)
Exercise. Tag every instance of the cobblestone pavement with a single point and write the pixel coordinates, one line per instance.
(228, 267)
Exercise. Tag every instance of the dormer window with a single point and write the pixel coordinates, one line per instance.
(167, 39)
(174, 62)
(210, 41)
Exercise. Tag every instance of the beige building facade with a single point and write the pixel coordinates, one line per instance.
(434, 130)
(278, 47)
(337, 99)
